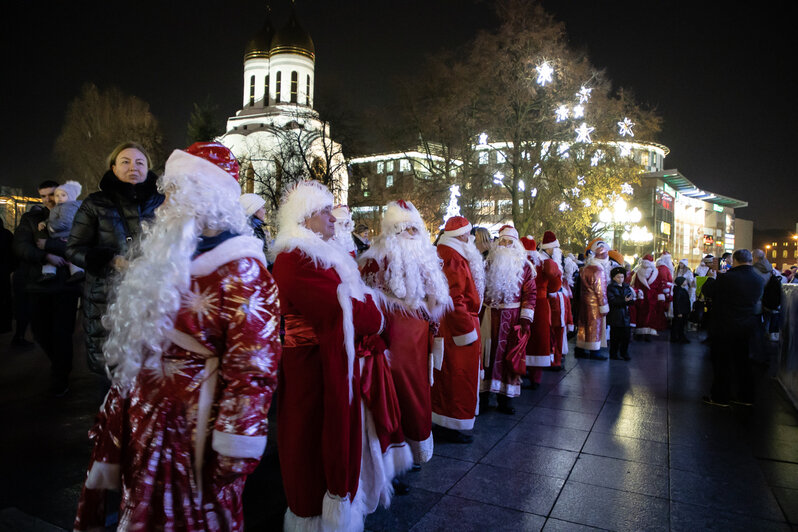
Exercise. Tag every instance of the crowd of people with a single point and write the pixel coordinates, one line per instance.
(372, 349)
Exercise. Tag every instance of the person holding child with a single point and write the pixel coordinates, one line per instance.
(58, 226)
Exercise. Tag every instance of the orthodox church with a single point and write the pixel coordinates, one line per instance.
(277, 136)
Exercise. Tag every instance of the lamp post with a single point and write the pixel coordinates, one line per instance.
(620, 217)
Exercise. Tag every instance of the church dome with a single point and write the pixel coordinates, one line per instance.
(260, 44)
(293, 39)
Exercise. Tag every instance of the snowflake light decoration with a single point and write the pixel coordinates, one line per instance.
(625, 150)
(584, 94)
(564, 207)
(583, 133)
(626, 188)
(597, 157)
(580, 180)
(453, 208)
(521, 185)
(563, 150)
(625, 127)
(586, 202)
(498, 178)
(562, 113)
(533, 192)
(579, 111)
(545, 72)
(576, 191)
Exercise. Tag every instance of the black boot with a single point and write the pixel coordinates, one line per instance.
(505, 405)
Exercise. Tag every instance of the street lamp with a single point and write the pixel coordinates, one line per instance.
(620, 217)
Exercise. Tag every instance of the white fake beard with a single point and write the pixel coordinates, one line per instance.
(503, 274)
(477, 265)
(343, 235)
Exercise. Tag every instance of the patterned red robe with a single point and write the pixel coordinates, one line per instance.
(538, 350)
(498, 321)
(182, 443)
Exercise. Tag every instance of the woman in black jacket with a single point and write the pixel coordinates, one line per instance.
(105, 226)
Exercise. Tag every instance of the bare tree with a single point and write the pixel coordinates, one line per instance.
(96, 121)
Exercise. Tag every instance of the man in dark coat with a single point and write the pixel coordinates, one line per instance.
(681, 309)
(736, 301)
(53, 305)
(619, 297)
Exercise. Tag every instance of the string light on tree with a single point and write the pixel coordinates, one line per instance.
(452, 209)
(521, 185)
(545, 72)
(562, 113)
(483, 139)
(597, 157)
(586, 202)
(580, 180)
(625, 127)
(625, 149)
(564, 207)
(498, 178)
(576, 191)
(626, 188)
(583, 133)
(579, 111)
(584, 94)
(533, 192)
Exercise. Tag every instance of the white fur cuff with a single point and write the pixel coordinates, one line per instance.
(604, 309)
(466, 339)
(336, 513)
(570, 328)
(238, 446)
(104, 476)
(661, 297)
(528, 314)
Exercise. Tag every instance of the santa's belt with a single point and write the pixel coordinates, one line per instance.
(298, 332)
(505, 305)
(554, 294)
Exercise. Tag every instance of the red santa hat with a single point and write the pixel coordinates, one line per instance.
(529, 243)
(549, 241)
(211, 162)
(456, 226)
(649, 257)
(508, 231)
(303, 200)
(400, 214)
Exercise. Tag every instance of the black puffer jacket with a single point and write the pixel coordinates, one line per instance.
(98, 235)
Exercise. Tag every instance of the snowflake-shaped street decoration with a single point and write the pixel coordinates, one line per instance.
(583, 133)
(597, 157)
(625, 150)
(534, 192)
(545, 72)
(562, 113)
(626, 188)
(625, 127)
(584, 94)
(580, 180)
(453, 208)
(564, 207)
(498, 178)
(586, 202)
(579, 111)
(576, 191)
(483, 139)
(521, 185)
(203, 304)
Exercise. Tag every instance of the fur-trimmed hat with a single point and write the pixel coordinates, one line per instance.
(341, 211)
(456, 226)
(529, 243)
(211, 160)
(649, 257)
(251, 203)
(549, 241)
(399, 215)
(71, 189)
(303, 200)
(594, 244)
(616, 255)
(508, 231)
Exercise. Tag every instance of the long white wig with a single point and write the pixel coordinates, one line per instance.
(148, 295)
(504, 273)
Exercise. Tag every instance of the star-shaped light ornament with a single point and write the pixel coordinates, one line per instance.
(586, 202)
(579, 111)
(625, 149)
(562, 113)
(584, 94)
(583, 133)
(483, 139)
(576, 191)
(533, 192)
(545, 72)
(564, 207)
(626, 188)
(597, 157)
(580, 180)
(625, 127)
(498, 178)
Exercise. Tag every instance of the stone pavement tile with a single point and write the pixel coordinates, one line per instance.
(780, 474)
(439, 474)
(405, 511)
(653, 413)
(511, 489)
(559, 418)
(488, 430)
(725, 494)
(788, 500)
(633, 428)
(548, 436)
(577, 390)
(610, 509)
(689, 517)
(716, 463)
(638, 396)
(621, 475)
(14, 520)
(557, 525)
(574, 404)
(521, 456)
(779, 450)
(463, 515)
(625, 448)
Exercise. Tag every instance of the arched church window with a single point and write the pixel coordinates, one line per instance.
(278, 86)
(266, 91)
(251, 90)
(294, 84)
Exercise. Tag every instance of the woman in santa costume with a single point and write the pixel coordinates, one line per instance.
(340, 443)
(403, 266)
(649, 299)
(593, 308)
(194, 348)
(558, 298)
(456, 374)
(509, 301)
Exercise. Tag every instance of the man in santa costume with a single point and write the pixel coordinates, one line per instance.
(339, 441)
(649, 299)
(665, 308)
(343, 229)
(184, 422)
(456, 373)
(538, 349)
(403, 265)
(558, 298)
(509, 301)
(593, 308)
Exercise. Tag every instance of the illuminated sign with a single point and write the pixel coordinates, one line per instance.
(665, 200)
(709, 240)
(717, 208)
(668, 189)
(665, 228)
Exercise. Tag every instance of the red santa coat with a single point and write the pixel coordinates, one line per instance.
(498, 321)
(410, 335)
(456, 378)
(649, 309)
(339, 440)
(189, 432)
(660, 318)
(593, 309)
(561, 318)
(538, 350)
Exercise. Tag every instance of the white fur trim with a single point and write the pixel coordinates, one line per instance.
(238, 247)
(554, 244)
(437, 353)
(301, 201)
(502, 388)
(453, 423)
(183, 163)
(588, 346)
(422, 450)
(466, 339)
(604, 309)
(571, 327)
(661, 297)
(538, 361)
(293, 523)
(238, 445)
(528, 314)
(457, 232)
(104, 476)
(337, 514)
(396, 218)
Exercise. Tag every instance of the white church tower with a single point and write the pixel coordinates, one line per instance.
(277, 136)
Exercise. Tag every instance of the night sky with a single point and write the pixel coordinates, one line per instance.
(720, 76)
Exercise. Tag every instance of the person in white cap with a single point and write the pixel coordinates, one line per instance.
(593, 307)
(340, 441)
(58, 226)
(185, 420)
(456, 373)
(255, 208)
(510, 297)
(404, 267)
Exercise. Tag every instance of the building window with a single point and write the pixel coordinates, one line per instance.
(251, 91)
(307, 91)
(483, 157)
(294, 84)
(404, 165)
(389, 166)
(389, 183)
(278, 89)
(773, 253)
(380, 167)
(266, 91)
(795, 255)
(784, 254)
